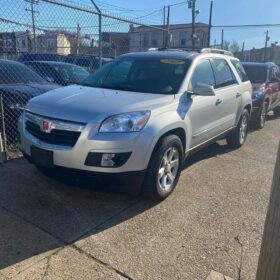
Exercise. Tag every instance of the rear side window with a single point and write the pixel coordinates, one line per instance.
(203, 73)
(223, 74)
(240, 70)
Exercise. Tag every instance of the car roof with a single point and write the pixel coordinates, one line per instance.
(259, 64)
(11, 62)
(51, 63)
(163, 54)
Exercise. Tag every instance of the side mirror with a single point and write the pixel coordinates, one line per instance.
(203, 89)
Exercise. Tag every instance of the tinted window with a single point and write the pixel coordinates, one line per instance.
(203, 73)
(43, 70)
(15, 73)
(70, 73)
(257, 74)
(84, 62)
(223, 74)
(240, 70)
(149, 75)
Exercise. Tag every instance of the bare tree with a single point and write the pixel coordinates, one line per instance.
(234, 47)
(226, 45)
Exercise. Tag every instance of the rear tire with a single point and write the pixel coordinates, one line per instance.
(164, 168)
(238, 137)
(276, 112)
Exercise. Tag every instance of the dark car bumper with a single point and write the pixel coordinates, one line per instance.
(130, 182)
(257, 107)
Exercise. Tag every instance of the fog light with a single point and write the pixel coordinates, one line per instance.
(108, 160)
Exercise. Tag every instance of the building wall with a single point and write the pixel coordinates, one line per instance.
(142, 38)
(114, 43)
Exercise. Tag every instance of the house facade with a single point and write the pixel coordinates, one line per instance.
(142, 38)
(115, 43)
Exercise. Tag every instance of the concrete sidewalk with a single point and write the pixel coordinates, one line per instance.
(213, 221)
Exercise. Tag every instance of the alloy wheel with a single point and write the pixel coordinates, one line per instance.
(243, 129)
(168, 169)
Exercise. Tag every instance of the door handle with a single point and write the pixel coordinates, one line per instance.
(238, 95)
(219, 101)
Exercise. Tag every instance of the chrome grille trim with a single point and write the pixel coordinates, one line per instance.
(54, 124)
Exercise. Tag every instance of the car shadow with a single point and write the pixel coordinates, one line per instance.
(39, 214)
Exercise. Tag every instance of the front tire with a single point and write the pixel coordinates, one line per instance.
(164, 168)
(238, 137)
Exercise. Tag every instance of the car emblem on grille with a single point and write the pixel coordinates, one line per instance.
(46, 126)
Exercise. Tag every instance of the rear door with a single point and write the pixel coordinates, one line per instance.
(228, 93)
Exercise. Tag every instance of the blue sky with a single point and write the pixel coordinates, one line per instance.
(226, 12)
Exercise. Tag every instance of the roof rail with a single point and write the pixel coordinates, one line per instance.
(208, 50)
(164, 49)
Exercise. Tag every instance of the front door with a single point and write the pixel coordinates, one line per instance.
(203, 112)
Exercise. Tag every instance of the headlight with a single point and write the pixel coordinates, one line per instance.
(257, 95)
(127, 122)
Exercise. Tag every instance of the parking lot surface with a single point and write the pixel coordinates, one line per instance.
(214, 220)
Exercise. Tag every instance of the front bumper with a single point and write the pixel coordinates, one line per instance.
(138, 144)
(130, 182)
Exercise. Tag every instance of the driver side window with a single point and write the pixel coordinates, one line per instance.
(203, 73)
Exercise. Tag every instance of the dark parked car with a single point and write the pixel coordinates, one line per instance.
(89, 62)
(18, 84)
(59, 72)
(24, 57)
(265, 78)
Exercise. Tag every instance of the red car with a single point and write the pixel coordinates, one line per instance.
(265, 78)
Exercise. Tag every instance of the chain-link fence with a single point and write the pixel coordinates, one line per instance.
(45, 44)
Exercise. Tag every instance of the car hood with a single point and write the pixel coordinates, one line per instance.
(86, 104)
(29, 89)
(258, 87)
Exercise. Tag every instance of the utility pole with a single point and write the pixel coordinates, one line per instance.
(265, 47)
(163, 32)
(78, 38)
(32, 2)
(215, 42)
(242, 51)
(192, 6)
(210, 24)
(168, 35)
(222, 41)
(164, 8)
(99, 32)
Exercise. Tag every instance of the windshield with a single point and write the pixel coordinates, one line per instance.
(71, 73)
(16, 73)
(148, 75)
(256, 74)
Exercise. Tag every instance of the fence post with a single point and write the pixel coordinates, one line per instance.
(269, 260)
(99, 32)
(3, 147)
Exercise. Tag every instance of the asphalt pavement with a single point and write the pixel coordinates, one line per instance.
(77, 229)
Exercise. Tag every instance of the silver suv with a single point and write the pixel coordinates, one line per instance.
(138, 117)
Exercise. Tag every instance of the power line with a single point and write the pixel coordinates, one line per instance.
(248, 25)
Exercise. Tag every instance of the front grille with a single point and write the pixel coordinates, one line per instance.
(56, 136)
